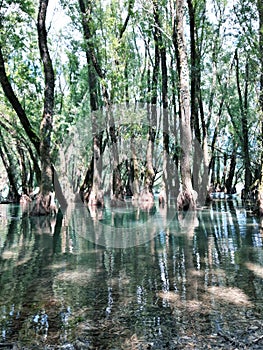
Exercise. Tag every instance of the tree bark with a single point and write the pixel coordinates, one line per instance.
(45, 202)
(147, 192)
(163, 199)
(94, 193)
(260, 190)
(187, 197)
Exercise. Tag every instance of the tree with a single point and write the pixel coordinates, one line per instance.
(187, 196)
(131, 57)
(93, 179)
(15, 117)
(44, 204)
(11, 96)
(243, 103)
(260, 14)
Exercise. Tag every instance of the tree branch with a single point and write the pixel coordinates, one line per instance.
(125, 24)
(12, 98)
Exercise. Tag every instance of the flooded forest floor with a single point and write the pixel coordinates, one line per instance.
(194, 284)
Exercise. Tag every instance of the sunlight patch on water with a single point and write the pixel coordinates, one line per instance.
(176, 285)
(256, 269)
(230, 295)
(9, 254)
(23, 261)
(196, 273)
(195, 305)
(59, 265)
(76, 277)
(174, 301)
(170, 297)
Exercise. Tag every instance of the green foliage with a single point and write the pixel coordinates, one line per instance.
(127, 60)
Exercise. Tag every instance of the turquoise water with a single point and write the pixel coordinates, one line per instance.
(132, 279)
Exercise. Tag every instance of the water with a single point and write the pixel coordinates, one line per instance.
(159, 282)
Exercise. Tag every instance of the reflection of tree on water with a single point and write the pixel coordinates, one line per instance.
(190, 283)
(127, 219)
(35, 309)
(118, 227)
(224, 249)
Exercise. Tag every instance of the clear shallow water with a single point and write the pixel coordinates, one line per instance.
(157, 282)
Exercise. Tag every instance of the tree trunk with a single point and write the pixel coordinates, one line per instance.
(45, 204)
(24, 172)
(187, 196)
(166, 182)
(243, 103)
(195, 72)
(147, 192)
(93, 181)
(231, 174)
(95, 192)
(117, 198)
(135, 176)
(13, 194)
(117, 188)
(213, 160)
(11, 96)
(260, 190)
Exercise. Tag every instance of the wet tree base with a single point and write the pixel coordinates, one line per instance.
(44, 205)
(95, 198)
(144, 200)
(186, 200)
(117, 201)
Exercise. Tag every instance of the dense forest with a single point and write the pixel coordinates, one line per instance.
(126, 99)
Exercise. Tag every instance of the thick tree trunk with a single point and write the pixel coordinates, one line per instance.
(93, 181)
(260, 190)
(187, 197)
(95, 193)
(45, 204)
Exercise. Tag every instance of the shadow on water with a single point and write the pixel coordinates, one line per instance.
(181, 282)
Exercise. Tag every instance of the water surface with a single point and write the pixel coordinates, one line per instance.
(178, 283)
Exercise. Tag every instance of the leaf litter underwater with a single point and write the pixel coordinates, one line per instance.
(200, 290)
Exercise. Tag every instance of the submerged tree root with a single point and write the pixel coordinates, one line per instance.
(186, 200)
(44, 205)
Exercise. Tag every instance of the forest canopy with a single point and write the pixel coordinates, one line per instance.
(130, 98)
